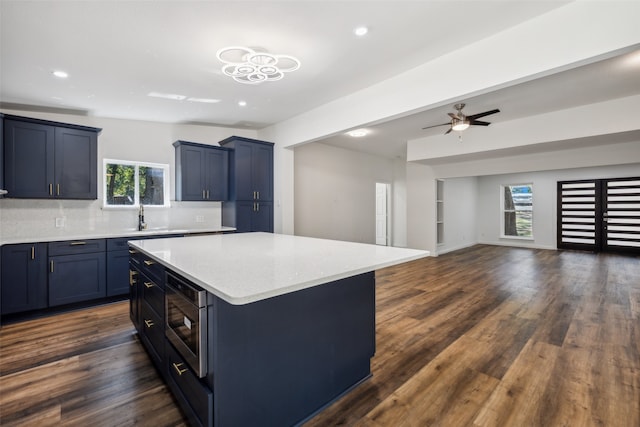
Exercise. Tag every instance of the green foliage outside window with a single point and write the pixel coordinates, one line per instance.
(120, 184)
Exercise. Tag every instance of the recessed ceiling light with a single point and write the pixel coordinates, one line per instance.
(242, 103)
(60, 74)
(358, 133)
(360, 31)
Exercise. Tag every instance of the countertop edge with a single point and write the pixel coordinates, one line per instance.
(113, 235)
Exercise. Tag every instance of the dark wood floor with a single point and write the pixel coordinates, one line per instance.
(487, 336)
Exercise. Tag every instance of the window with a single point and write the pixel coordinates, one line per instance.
(517, 211)
(134, 183)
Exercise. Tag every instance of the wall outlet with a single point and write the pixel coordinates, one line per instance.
(199, 218)
(60, 222)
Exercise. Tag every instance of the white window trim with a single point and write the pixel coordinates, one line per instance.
(136, 205)
(502, 211)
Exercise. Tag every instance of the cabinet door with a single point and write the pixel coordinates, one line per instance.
(24, 277)
(263, 217)
(217, 174)
(28, 159)
(244, 184)
(135, 295)
(191, 173)
(254, 216)
(74, 278)
(244, 216)
(262, 171)
(76, 161)
(117, 273)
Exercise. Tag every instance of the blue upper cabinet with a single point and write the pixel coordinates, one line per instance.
(250, 206)
(202, 172)
(49, 160)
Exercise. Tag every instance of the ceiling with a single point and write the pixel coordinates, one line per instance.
(117, 52)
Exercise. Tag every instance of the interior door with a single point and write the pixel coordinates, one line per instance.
(599, 215)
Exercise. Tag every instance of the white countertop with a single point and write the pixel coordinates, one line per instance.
(247, 267)
(108, 234)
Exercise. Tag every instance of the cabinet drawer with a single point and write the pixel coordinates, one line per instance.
(71, 247)
(118, 244)
(153, 294)
(152, 327)
(151, 268)
(195, 398)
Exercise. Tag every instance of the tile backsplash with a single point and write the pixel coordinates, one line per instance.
(45, 218)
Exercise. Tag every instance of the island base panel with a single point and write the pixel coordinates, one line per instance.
(280, 360)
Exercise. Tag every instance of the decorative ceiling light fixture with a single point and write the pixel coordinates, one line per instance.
(247, 66)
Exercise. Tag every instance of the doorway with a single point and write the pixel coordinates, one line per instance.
(382, 214)
(599, 215)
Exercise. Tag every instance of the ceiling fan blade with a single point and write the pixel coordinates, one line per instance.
(454, 116)
(449, 131)
(435, 126)
(486, 113)
(479, 123)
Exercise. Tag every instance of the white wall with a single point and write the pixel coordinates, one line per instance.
(122, 140)
(460, 207)
(399, 204)
(544, 200)
(335, 192)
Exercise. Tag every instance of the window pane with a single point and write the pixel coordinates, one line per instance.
(518, 223)
(151, 186)
(120, 184)
(518, 210)
(521, 196)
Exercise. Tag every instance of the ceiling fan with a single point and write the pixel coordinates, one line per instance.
(460, 122)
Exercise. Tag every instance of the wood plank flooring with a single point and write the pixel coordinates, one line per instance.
(485, 336)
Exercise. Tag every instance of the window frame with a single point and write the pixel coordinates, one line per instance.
(136, 202)
(503, 211)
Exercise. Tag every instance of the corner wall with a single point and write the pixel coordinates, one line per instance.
(335, 193)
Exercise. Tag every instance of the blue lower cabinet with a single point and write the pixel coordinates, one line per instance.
(194, 397)
(75, 278)
(152, 334)
(253, 216)
(134, 291)
(117, 273)
(24, 277)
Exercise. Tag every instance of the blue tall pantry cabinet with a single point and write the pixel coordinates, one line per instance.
(250, 205)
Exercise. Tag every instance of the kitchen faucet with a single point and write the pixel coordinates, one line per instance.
(141, 224)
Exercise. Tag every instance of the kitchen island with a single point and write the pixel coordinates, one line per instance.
(289, 322)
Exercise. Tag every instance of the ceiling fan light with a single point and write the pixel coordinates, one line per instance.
(459, 125)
